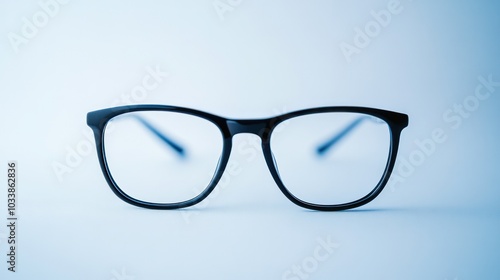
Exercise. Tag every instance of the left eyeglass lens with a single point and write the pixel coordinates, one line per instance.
(162, 157)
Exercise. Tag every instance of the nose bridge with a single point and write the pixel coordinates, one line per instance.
(257, 127)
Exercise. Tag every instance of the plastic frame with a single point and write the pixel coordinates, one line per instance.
(97, 120)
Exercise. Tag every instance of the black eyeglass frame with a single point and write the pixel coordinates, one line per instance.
(97, 121)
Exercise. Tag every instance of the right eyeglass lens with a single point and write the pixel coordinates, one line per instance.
(162, 157)
(331, 158)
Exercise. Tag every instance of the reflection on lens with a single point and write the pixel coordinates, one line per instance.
(162, 157)
(331, 158)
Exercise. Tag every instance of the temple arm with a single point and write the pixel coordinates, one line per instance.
(165, 139)
(323, 148)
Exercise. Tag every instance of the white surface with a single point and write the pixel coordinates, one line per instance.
(264, 58)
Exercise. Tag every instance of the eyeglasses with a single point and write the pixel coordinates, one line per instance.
(166, 157)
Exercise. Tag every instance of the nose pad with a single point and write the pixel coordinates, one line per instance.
(217, 168)
(218, 163)
(275, 164)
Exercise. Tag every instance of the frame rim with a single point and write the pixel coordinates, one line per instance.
(263, 127)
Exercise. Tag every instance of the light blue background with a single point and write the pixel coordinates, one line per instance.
(264, 58)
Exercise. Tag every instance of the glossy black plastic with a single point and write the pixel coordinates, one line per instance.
(263, 128)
